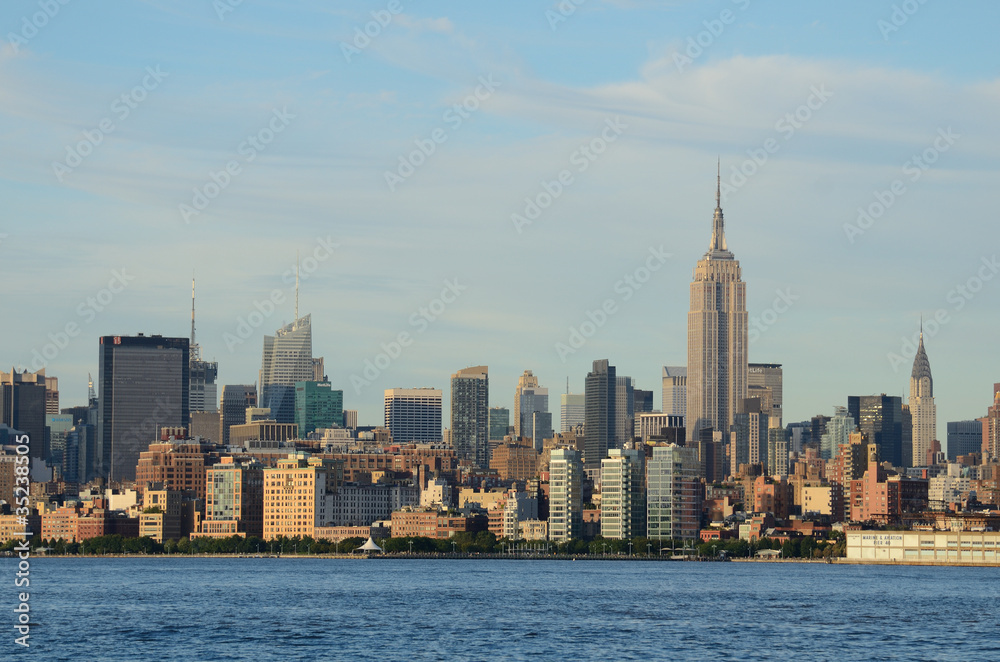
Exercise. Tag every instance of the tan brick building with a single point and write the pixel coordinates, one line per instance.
(298, 495)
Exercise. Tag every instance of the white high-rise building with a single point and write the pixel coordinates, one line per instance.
(572, 411)
(623, 499)
(923, 411)
(675, 390)
(413, 414)
(565, 495)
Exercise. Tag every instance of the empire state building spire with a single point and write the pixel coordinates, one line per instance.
(717, 249)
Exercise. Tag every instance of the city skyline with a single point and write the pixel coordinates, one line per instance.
(849, 122)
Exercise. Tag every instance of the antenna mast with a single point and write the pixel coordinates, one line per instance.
(296, 285)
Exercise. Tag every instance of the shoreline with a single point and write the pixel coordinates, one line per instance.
(515, 557)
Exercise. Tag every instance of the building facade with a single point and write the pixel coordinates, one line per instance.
(599, 426)
(565, 495)
(318, 406)
(286, 359)
(673, 494)
(413, 414)
(143, 387)
(717, 336)
(470, 397)
(623, 494)
(923, 411)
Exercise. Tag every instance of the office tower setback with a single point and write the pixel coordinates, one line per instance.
(964, 437)
(236, 399)
(624, 411)
(23, 407)
(144, 387)
(881, 418)
(572, 411)
(499, 423)
(675, 390)
(767, 376)
(923, 411)
(470, 397)
(717, 336)
(318, 406)
(287, 359)
(413, 414)
(673, 494)
(599, 416)
(529, 397)
(623, 502)
(565, 495)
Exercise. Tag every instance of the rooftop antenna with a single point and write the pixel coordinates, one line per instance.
(296, 285)
(567, 384)
(194, 345)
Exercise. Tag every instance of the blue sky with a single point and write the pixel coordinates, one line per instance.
(328, 127)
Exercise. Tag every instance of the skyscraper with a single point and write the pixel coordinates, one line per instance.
(675, 390)
(964, 437)
(749, 436)
(717, 335)
(624, 411)
(23, 407)
(470, 398)
(777, 448)
(599, 426)
(923, 411)
(838, 431)
(565, 495)
(236, 399)
(317, 406)
(643, 401)
(413, 414)
(572, 411)
(287, 359)
(204, 392)
(529, 397)
(673, 494)
(881, 418)
(499, 423)
(144, 386)
(767, 376)
(623, 502)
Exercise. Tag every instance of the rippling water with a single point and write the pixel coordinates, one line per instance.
(322, 609)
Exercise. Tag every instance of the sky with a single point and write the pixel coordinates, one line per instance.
(523, 186)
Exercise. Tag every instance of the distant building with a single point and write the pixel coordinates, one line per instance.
(499, 423)
(234, 504)
(777, 448)
(599, 426)
(675, 390)
(529, 397)
(470, 396)
(964, 437)
(749, 436)
(178, 465)
(923, 411)
(565, 494)
(624, 411)
(767, 376)
(287, 359)
(572, 411)
(236, 399)
(643, 401)
(837, 432)
(881, 416)
(298, 495)
(143, 387)
(673, 494)
(413, 414)
(717, 336)
(317, 405)
(649, 425)
(23, 406)
(623, 497)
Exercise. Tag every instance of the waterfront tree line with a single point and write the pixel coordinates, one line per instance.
(483, 542)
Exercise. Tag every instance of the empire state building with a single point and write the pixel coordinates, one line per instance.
(717, 336)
